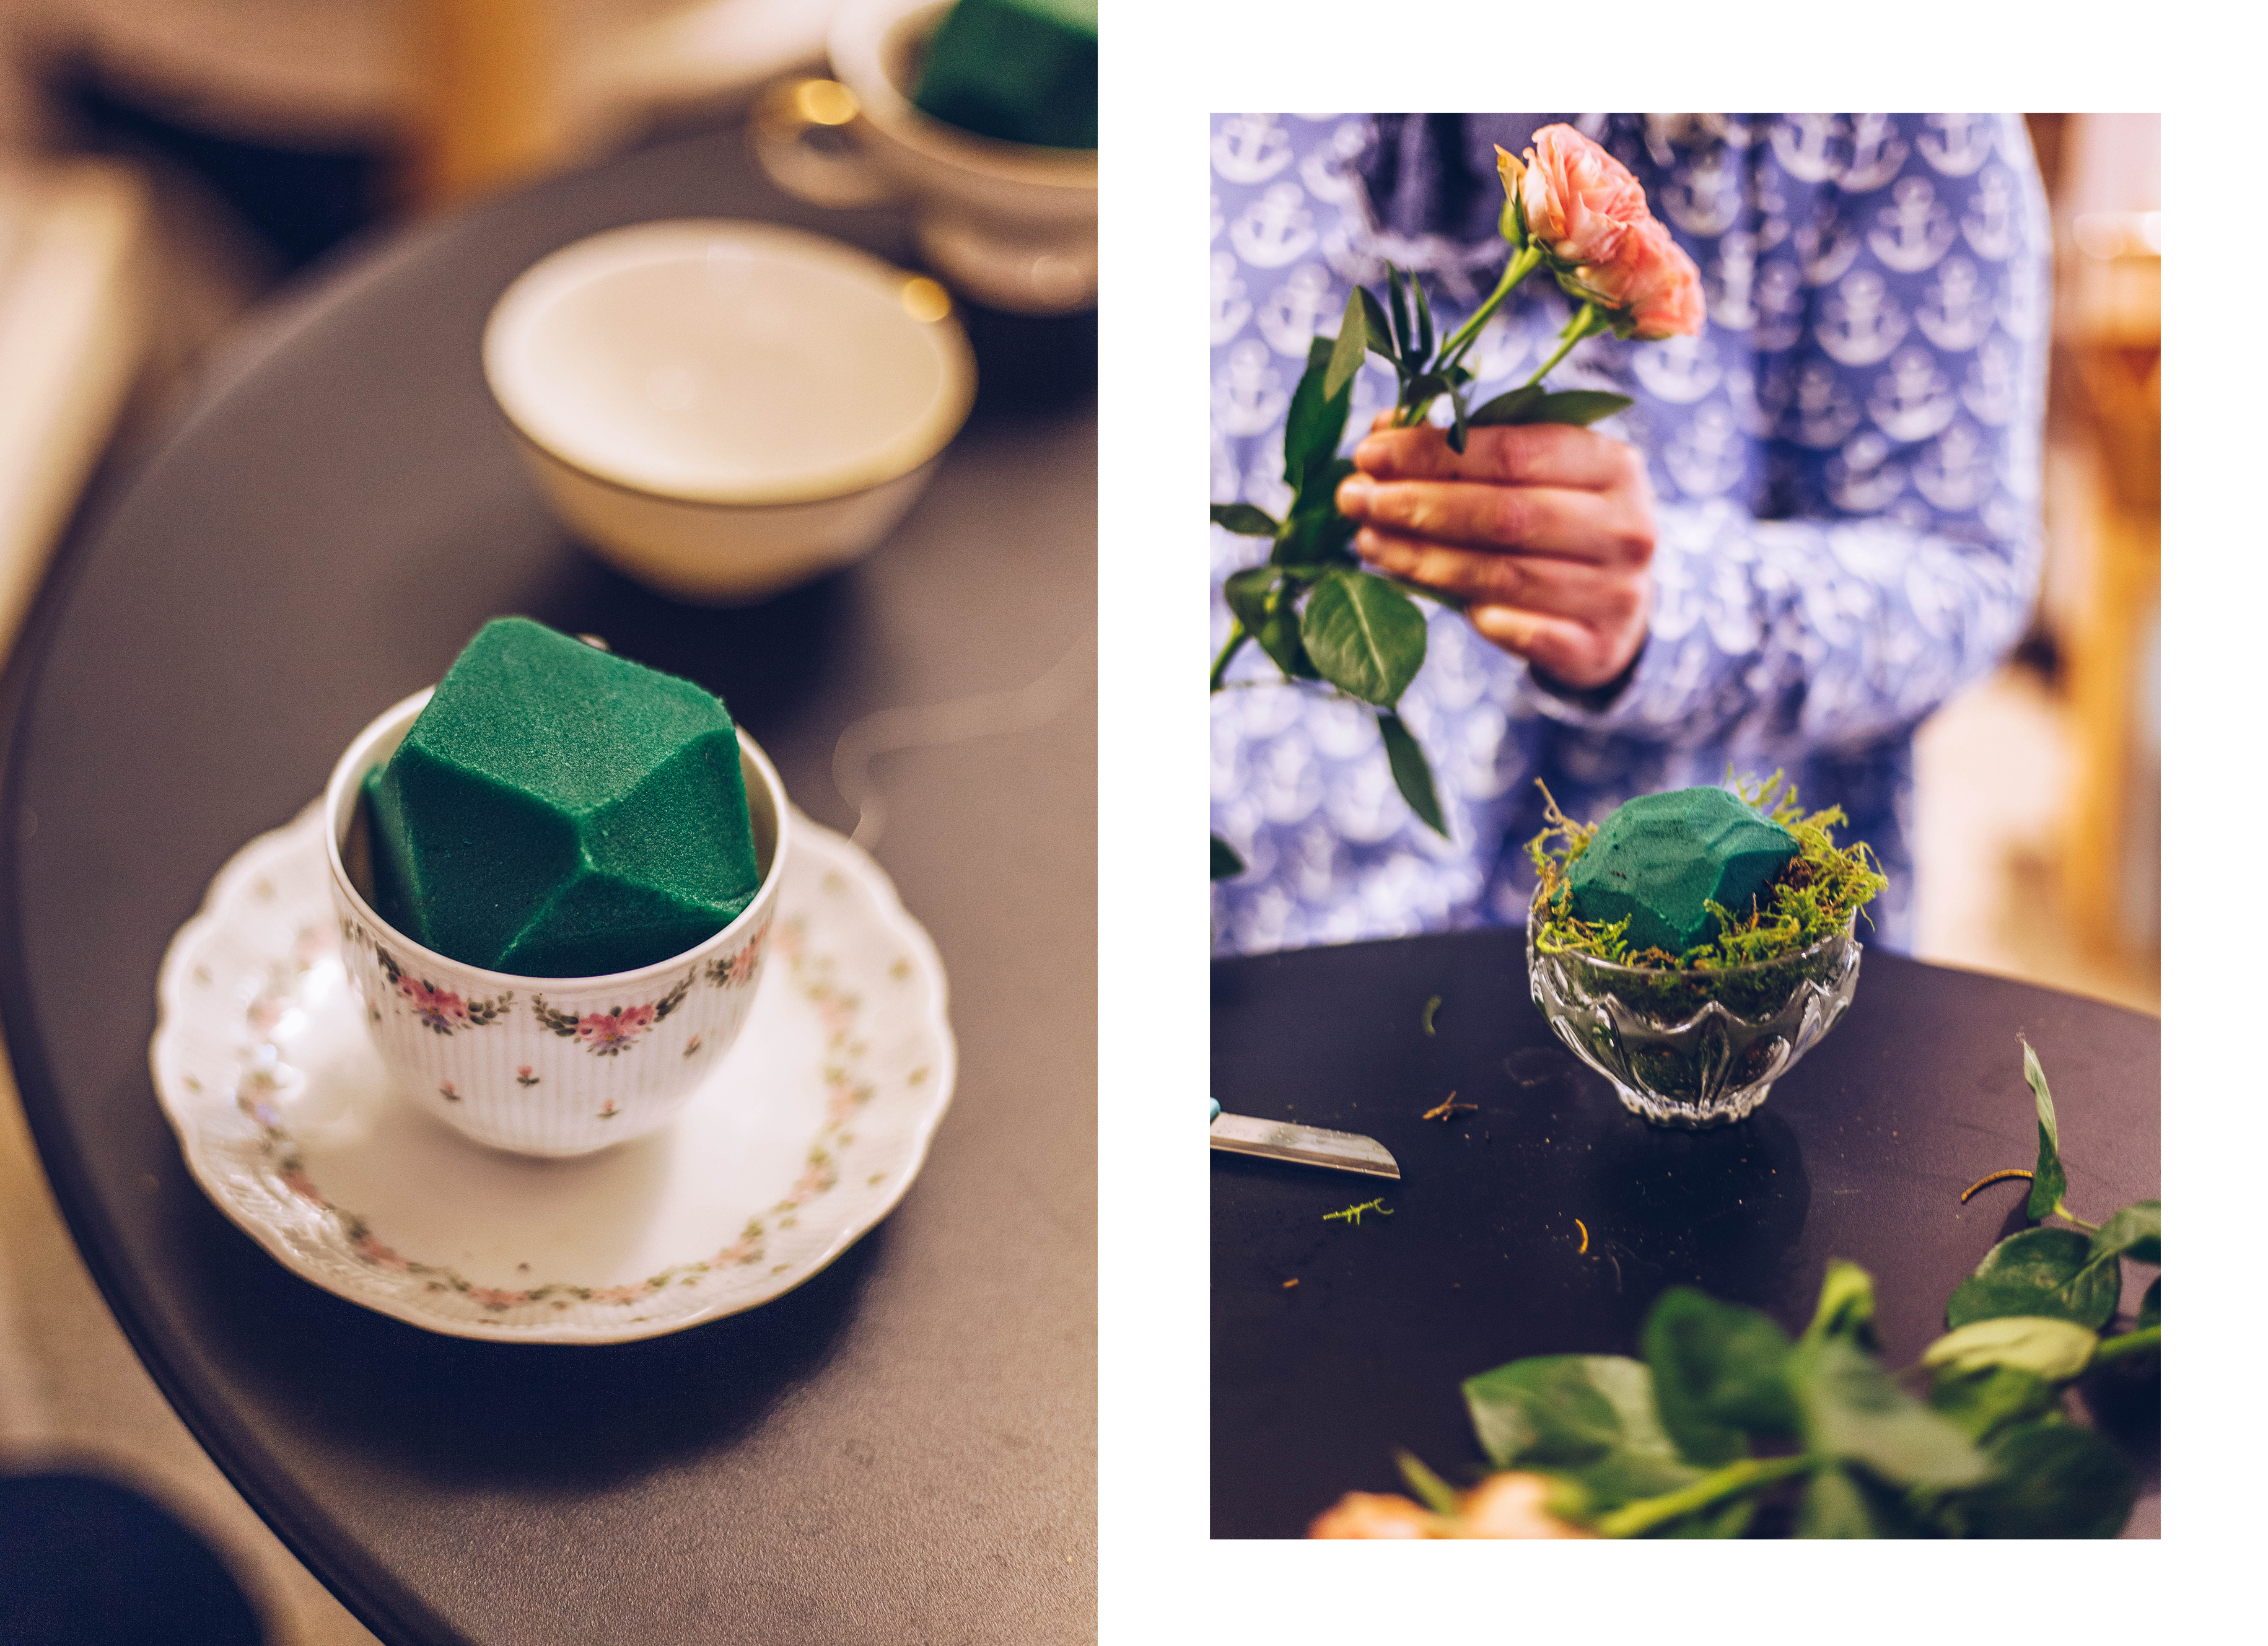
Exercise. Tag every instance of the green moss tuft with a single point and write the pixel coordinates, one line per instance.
(1813, 899)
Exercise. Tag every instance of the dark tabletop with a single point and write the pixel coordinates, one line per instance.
(1861, 1153)
(903, 1448)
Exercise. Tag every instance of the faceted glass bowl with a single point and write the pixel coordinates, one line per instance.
(1694, 1049)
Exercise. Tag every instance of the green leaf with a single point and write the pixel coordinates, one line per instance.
(1424, 318)
(1278, 636)
(1834, 1508)
(1566, 1412)
(1247, 592)
(1461, 425)
(1719, 1372)
(1400, 312)
(1227, 865)
(1431, 1490)
(1846, 1306)
(1625, 1476)
(1852, 1409)
(1726, 1519)
(1413, 775)
(2132, 1231)
(2047, 1176)
(1317, 534)
(2051, 1479)
(1983, 1401)
(1316, 423)
(1580, 407)
(2149, 1315)
(2037, 1272)
(1506, 407)
(1364, 636)
(1245, 520)
(2056, 1350)
(1380, 334)
(1346, 349)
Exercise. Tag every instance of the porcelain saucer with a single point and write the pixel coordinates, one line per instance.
(774, 1166)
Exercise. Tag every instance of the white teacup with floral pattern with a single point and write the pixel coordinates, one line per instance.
(544, 1065)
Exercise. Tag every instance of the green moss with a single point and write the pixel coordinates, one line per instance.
(1811, 900)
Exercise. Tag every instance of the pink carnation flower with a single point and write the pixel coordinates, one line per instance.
(1375, 1514)
(1580, 201)
(1652, 279)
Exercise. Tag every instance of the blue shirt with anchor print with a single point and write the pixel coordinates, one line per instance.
(1846, 464)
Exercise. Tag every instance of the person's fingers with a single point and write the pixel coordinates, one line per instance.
(1383, 420)
(1532, 454)
(1571, 653)
(1587, 525)
(1537, 583)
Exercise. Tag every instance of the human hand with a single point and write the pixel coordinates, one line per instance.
(1545, 531)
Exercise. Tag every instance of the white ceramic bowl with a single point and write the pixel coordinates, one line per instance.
(723, 409)
(535, 1065)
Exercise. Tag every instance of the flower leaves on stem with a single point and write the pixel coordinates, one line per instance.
(1412, 774)
(1245, 520)
(1530, 404)
(1364, 636)
(2041, 1272)
(1227, 865)
(1316, 422)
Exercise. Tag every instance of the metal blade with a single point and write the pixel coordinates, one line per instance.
(1308, 1145)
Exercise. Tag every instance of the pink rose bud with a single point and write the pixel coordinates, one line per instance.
(1652, 280)
(1375, 1514)
(1512, 1506)
(1580, 201)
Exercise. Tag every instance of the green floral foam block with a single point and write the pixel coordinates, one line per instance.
(1022, 70)
(557, 812)
(1660, 858)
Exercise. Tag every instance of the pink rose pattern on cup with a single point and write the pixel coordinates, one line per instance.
(607, 1033)
(848, 1091)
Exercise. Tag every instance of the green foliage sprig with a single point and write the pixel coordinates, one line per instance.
(1812, 900)
(1323, 621)
(1725, 1410)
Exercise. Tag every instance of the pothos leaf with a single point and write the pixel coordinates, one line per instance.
(2042, 1345)
(1412, 774)
(1245, 520)
(1985, 1400)
(1364, 636)
(2149, 1313)
(1566, 1412)
(1227, 865)
(2047, 1176)
(1847, 1305)
(2132, 1231)
(1834, 1508)
(1853, 1409)
(2051, 1478)
(1719, 1372)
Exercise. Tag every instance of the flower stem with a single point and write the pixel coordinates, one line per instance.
(1634, 1519)
(2141, 1342)
(1582, 326)
(1515, 271)
(1237, 636)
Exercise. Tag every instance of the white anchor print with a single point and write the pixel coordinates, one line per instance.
(1679, 370)
(1824, 411)
(1707, 455)
(1955, 144)
(1732, 274)
(1912, 232)
(1956, 311)
(1289, 316)
(1756, 408)
(1325, 170)
(1705, 199)
(1247, 395)
(1250, 149)
(1274, 230)
(1912, 400)
(1219, 221)
(1990, 224)
(1954, 472)
(1666, 133)
(1230, 310)
(1859, 481)
(1990, 391)
(1804, 145)
(1350, 254)
(1827, 248)
(1771, 213)
(1779, 307)
(1861, 324)
(1877, 151)
(1729, 129)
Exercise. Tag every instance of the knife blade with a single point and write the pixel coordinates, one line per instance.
(1307, 1145)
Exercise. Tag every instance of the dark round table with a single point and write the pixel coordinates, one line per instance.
(902, 1450)
(1861, 1153)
